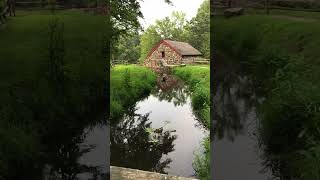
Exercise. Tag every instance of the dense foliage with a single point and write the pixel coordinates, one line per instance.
(198, 80)
(282, 57)
(177, 28)
(128, 84)
(127, 48)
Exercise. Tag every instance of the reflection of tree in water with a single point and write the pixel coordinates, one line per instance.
(231, 105)
(131, 147)
(64, 151)
(175, 92)
(234, 101)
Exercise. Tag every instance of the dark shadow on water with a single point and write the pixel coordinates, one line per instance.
(72, 153)
(131, 146)
(235, 125)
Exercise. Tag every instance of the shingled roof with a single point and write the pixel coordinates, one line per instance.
(183, 48)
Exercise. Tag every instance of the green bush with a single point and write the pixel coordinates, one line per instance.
(198, 80)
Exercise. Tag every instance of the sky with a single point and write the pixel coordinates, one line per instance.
(158, 9)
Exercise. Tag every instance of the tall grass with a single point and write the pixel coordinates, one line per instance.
(198, 80)
(282, 57)
(129, 83)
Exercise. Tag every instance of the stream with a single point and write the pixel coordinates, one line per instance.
(159, 133)
(235, 144)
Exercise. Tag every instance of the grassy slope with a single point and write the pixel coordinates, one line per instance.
(129, 83)
(198, 79)
(283, 57)
(24, 42)
(302, 14)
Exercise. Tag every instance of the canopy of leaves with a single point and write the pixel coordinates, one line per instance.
(172, 27)
(199, 29)
(127, 48)
(177, 28)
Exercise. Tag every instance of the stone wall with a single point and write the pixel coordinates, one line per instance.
(171, 57)
(120, 173)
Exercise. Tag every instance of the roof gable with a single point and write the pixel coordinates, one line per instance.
(182, 48)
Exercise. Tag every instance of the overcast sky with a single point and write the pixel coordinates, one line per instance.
(158, 9)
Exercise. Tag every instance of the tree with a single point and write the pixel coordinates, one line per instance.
(172, 27)
(199, 29)
(124, 17)
(127, 48)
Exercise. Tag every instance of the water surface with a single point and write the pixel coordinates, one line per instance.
(181, 135)
(236, 150)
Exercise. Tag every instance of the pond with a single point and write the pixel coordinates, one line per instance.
(235, 140)
(160, 133)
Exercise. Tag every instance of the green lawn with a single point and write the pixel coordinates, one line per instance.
(24, 42)
(280, 12)
(300, 14)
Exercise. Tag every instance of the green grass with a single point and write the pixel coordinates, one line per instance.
(24, 42)
(301, 14)
(129, 83)
(197, 78)
(282, 57)
(34, 110)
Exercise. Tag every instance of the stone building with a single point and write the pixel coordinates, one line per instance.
(171, 53)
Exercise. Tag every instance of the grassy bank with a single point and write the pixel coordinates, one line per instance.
(48, 95)
(129, 83)
(282, 57)
(198, 80)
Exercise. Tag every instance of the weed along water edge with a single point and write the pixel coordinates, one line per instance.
(159, 133)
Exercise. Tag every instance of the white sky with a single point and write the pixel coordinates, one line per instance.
(158, 9)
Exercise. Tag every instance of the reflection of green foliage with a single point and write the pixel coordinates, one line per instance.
(130, 144)
(198, 80)
(176, 94)
(281, 56)
(152, 132)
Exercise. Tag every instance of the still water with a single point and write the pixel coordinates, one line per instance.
(176, 134)
(81, 156)
(235, 143)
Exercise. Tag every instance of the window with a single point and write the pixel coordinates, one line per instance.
(162, 54)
